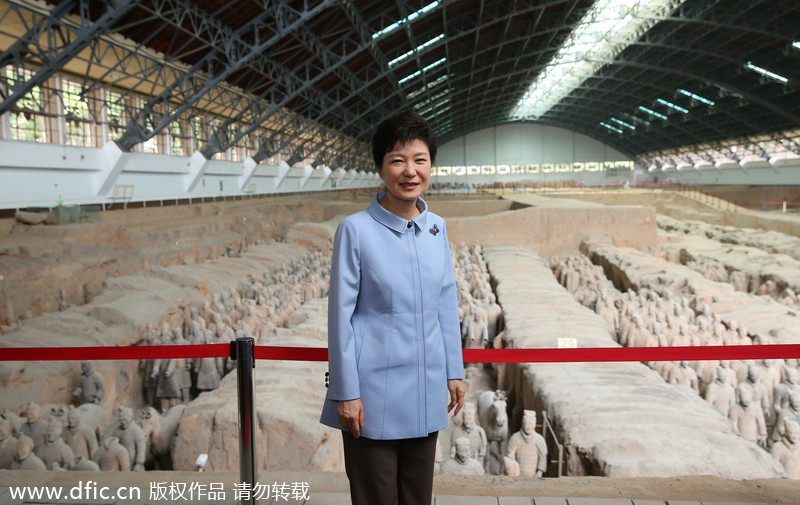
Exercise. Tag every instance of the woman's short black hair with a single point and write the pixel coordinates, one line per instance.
(400, 129)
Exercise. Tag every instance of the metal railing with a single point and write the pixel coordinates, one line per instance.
(551, 439)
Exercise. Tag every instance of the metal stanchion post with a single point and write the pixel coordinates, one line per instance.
(242, 350)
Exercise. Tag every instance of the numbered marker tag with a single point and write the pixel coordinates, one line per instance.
(567, 343)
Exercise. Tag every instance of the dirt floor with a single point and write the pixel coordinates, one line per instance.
(69, 265)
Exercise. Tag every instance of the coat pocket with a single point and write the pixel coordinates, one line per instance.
(360, 332)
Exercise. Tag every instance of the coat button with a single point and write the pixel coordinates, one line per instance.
(409, 224)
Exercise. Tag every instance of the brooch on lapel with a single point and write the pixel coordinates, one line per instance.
(434, 230)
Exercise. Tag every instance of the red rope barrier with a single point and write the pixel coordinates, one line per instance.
(549, 355)
(610, 354)
(291, 353)
(126, 352)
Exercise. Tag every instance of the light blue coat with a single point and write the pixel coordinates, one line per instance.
(393, 327)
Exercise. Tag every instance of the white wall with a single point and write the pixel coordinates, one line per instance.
(785, 172)
(529, 153)
(44, 175)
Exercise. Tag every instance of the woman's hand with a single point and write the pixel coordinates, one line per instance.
(457, 392)
(351, 416)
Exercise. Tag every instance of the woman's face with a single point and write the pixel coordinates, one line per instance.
(406, 171)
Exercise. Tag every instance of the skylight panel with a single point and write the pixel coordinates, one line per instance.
(416, 50)
(409, 77)
(434, 64)
(411, 17)
(435, 106)
(623, 123)
(611, 127)
(609, 27)
(696, 97)
(671, 105)
(428, 86)
(439, 95)
(419, 72)
(636, 119)
(652, 112)
(766, 72)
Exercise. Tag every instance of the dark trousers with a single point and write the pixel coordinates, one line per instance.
(390, 472)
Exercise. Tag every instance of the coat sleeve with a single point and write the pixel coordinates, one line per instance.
(344, 288)
(448, 316)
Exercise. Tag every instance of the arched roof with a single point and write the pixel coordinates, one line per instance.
(464, 64)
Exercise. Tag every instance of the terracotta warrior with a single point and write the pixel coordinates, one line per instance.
(783, 390)
(528, 448)
(91, 386)
(472, 431)
(132, 438)
(209, 370)
(684, 375)
(8, 445)
(791, 411)
(24, 458)
(461, 463)
(34, 426)
(183, 366)
(115, 457)
(787, 450)
(477, 336)
(756, 386)
(494, 314)
(170, 380)
(55, 454)
(720, 393)
(146, 366)
(79, 436)
(747, 418)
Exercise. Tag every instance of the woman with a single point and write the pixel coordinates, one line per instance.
(394, 343)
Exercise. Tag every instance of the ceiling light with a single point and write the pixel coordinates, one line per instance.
(671, 105)
(766, 72)
(435, 106)
(416, 50)
(426, 69)
(623, 123)
(409, 77)
(654, 113)
(611, 127)
(434, 64)
(696, 97)
(636, 119)
(419, 72)
(428, 86)
(407, 19)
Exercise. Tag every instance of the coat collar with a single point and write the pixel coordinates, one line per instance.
(395, 222)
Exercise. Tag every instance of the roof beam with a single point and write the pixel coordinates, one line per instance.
(217, 65)
(64, 40)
